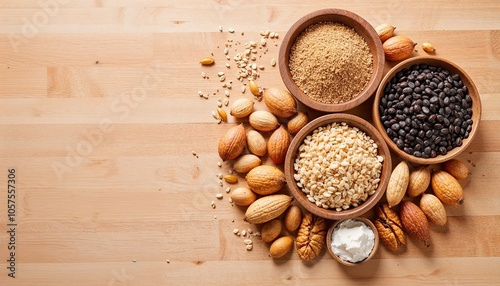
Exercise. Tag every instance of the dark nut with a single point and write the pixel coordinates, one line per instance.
(311, 237)
(389, 227)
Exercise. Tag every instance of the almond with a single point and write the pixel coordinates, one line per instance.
(385, 31)
(265, 179)
(256, 143)
(279, 101)
(456, 168)
(433, 209)
(398, 182)
(415, 222)
(292, 218)
(245, 163)
(297, 122)
(241, 108)
(271, 230)
(278, 144)
(267, 208)
(281, 247)
(263, 120)
(420, 179)
(398, 48)
(232, 143)
(242, 196)
(447, 188)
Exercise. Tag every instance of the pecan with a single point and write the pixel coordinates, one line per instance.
(389, 227)
(311, 237)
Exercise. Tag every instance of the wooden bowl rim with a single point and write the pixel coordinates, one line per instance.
(353, 121)
(467, 81)
(376, 243)
(362, 27)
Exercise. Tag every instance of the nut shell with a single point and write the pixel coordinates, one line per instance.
(385, 31)
(232, 143)
(281, 247)
(389, 228)
(292, 218)
(398, 48)
(278, 144)
(311, 237)
(241, 108)
(415, 222)
(242, 196)
(398, 182)
(456, 168)
(420, 179)
(279, 101)
(297, 122)
(265, 179)
(256, 143)
(263, 120)
(433, 209)
(271, 230)
(245, 163)
(267, 208)
(447, 188)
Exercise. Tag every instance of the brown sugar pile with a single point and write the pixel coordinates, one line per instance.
(330, 62)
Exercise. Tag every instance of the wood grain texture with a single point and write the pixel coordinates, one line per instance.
(100, 114)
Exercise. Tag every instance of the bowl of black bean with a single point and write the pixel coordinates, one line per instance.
(427, 109)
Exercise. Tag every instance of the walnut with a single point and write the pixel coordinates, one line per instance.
(389, 228)
(311, 237)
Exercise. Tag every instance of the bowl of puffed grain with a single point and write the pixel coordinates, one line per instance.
(338, 166)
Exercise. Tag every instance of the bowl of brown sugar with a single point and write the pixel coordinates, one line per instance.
(331, 60)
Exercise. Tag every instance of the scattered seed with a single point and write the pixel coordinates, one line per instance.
(244, 232)
(215, 115)
(212, 204)
(231, 179)
(249, 247)
(194, 153)
(230, 30)
(220, 28)
(168, 261)
(215, 217)
(228, 190)
(257, 233)
(219, 164)
(230, 200)
(262, 68)
(205, 96)
(248, 241)
(226, 101)
(250, 231)
(219, 196)
(222, 78)
(220, 74)
(207, 61)
(236, 231)
(273, 62)
(229, 85)
(228, 65)
(243, 88)
(222, 114)
(203, 75)
(221, 184)
(226, 92)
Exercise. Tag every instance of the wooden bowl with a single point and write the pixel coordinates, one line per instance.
(453, 69)
(352, 121)
(362, 27)
(329, 236)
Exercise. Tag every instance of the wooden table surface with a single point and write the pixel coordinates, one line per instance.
(100, 114)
